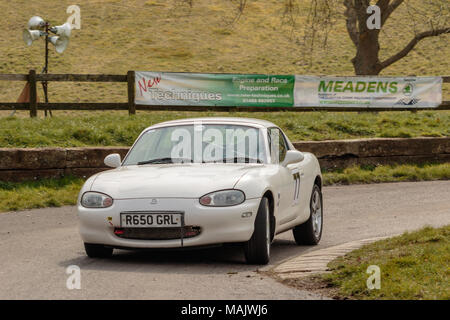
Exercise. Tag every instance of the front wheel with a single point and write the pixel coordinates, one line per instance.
(310, 232)
(257, 249)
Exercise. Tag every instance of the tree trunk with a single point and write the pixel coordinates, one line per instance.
(366, 61)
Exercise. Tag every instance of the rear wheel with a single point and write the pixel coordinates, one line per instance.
(257, 249)
(97, 250)
(310, 232)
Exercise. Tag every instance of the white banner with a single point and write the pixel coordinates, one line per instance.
(390, 92)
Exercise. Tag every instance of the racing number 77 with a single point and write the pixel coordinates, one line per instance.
(296, 176)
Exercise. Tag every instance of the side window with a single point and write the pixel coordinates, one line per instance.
(283, 146)
(277, 145)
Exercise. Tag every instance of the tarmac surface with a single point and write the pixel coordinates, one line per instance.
(37, 246)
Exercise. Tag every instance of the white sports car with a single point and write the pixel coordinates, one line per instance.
(199, 182)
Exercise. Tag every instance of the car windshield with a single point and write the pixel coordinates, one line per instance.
(199, 143)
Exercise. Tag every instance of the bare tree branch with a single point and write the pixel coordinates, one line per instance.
(350, 17)
(290, 13)
(383, 4)
(360, 6)
(241, 4)
(402, 53)
(433, 15)
(386, 13)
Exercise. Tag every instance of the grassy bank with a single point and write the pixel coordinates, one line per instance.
(388, 173)
(413, 266)
(39, 194)
(68, 129)
(169, 35)
(59, 192)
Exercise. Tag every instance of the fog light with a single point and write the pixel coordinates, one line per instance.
(246, 214)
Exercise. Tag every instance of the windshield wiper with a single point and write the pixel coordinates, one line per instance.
(236, 160)
(164, 160)
(242, 160)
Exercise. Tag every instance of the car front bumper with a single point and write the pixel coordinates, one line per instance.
(218, 224)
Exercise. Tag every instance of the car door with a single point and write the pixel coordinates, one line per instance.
(289, 177)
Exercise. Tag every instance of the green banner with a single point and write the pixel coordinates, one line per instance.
(198, 89)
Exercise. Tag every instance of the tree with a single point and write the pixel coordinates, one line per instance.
(428, 20)
(366, 41)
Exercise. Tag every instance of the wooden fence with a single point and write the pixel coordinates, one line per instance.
(33, 106)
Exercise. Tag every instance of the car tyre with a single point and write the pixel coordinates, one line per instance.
(257, 249)
(97, 250)
(310, 232)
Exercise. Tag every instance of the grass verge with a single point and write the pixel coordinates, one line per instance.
(64, 191)
(414, 265)
(39, 194)
(387, 173)
(76, 129)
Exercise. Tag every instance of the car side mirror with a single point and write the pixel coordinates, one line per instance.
(292, 156)
(113, 160)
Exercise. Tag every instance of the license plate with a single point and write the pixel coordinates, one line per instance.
(155, 220)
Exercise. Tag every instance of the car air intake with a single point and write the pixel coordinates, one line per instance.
(157, 233)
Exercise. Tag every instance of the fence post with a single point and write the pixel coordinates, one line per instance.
(131, 92)
(33, 93)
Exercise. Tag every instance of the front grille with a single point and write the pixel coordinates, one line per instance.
(171, 233)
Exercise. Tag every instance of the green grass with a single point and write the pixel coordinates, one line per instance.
(388, 173)
(39, 194)
(59, 192)
(118, 129)
(414, 265)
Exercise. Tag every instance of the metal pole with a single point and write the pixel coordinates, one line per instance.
(45, 83)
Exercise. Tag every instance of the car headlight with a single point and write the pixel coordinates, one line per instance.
(223, 198)
(96, 200)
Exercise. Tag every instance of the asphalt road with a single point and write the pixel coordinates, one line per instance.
(37, 246)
